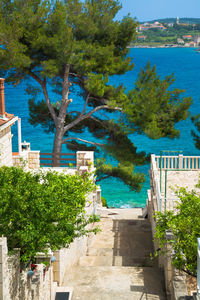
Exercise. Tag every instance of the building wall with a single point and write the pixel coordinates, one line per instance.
(6, 147)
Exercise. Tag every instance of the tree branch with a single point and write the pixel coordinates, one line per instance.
(51, 109)
(102, 178)
(43, 85)
(81, 140)
(86, 102)
(83, 117)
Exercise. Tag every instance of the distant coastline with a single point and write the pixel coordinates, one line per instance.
(168, 33)
(161, 46)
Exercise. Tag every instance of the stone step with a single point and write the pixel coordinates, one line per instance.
(123, 225)
(115, 261)
(115, 281)
(122, 246)
(138, 250)
(117, 296)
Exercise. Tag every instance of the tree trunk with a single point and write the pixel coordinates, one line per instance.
(57, 147)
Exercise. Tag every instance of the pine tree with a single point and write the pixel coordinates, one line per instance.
(73, 47)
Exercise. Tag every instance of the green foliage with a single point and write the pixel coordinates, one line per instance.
(185, 227)
(153, 108)
(104, 202)
(195, 132)
(123, 171)
(42, 210)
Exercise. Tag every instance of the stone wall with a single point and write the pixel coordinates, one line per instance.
(20, 160)
(6, 147)
(175, 280)
(4, 282)
(67, 257)
(15, 284)
(27, 159)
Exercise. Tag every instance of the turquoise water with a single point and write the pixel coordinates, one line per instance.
(183, 62)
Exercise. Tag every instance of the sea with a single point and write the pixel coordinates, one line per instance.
(184, 63)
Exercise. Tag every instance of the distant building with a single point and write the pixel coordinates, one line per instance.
(197, 40)
(141, 37)
(147, 26)
(193, 44)
(187, 37)
(185, 24)
(180, 41)
(177, 20)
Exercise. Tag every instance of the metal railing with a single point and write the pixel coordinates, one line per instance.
(58, 160)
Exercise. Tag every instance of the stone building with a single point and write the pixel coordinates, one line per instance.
(24, 156)
(6, 122)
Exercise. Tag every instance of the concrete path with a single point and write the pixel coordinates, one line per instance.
(117, 265)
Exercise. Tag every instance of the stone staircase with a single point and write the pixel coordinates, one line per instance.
(118, 265)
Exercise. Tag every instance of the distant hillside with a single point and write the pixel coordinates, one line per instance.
(173, 20)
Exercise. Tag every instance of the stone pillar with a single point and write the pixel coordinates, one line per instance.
(34, 159)
(4, 275)
(84, 159)
(2, 98)
(98, 192)
(19, 135)
(167, 262)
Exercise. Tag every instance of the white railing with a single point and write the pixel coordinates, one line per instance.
(178, 162)
(166, 163)
(156, 182)
(198, 268)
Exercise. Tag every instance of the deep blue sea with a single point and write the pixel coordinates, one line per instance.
(183, 62)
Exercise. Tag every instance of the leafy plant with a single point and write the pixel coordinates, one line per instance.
(42, 210)
(104, 202)
(184, 224)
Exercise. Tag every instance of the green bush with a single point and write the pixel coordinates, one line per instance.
(185, 227)
(104, 202)
(40, 211)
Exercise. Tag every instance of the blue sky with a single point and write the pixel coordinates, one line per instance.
(145, 10)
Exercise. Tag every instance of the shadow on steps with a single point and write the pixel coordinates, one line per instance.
(132, 243)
